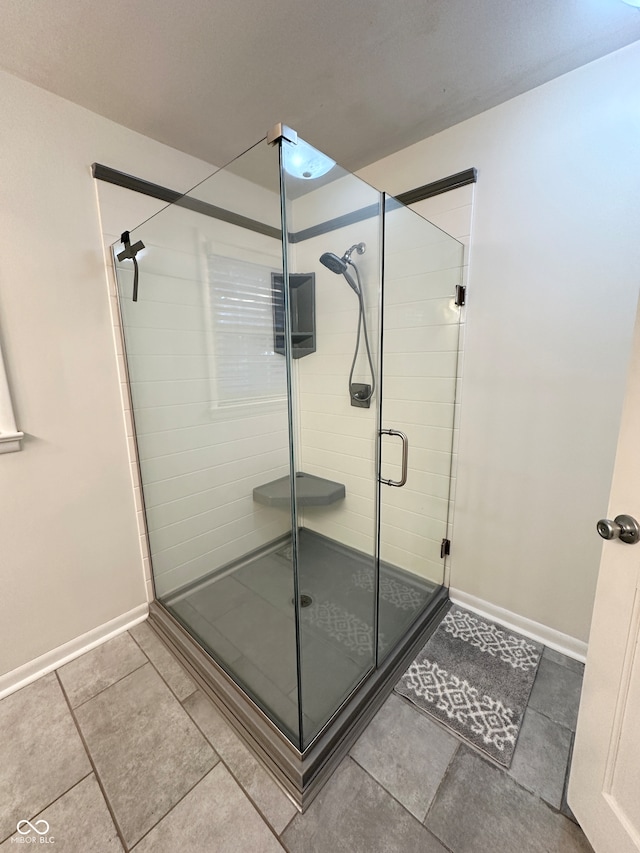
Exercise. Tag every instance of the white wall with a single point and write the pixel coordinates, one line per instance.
(552, 291)
(70, 556)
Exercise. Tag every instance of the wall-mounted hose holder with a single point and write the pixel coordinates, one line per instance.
(361, 394)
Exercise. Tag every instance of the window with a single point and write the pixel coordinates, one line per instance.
(244, 367)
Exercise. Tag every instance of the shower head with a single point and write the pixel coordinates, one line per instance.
(334, 263)
(339, 267)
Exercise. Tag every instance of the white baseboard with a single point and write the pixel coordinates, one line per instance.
(569, 646)
(23, 675)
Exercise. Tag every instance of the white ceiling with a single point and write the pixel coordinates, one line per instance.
(359, 79)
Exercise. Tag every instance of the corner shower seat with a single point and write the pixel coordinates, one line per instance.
(310, 491)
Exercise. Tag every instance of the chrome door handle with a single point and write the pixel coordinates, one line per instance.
(405, 457)
(623, 527)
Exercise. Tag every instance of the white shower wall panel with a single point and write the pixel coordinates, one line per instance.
(422, 269)
(200, 456)
(336, 440)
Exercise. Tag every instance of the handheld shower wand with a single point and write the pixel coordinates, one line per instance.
(360, 396)
(340, 266)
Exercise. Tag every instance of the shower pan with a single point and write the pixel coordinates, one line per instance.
(297, 540)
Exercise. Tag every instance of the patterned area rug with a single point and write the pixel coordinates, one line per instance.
(475, 677)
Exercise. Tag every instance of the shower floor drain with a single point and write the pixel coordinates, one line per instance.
(305, 600)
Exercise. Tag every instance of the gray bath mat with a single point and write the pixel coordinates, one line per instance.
(475, 677)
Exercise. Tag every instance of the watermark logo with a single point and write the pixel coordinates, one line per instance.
(33, 826)
(33, 833)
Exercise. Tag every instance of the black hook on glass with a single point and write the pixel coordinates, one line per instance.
(129, 254)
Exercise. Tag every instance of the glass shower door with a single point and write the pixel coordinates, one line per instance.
(422, 267)
(208, 383)
(333, 257)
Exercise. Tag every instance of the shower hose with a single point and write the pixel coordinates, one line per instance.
(362, 325)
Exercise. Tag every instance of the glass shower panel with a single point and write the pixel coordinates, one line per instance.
(422, 267)
(333, 225)
(211, 411)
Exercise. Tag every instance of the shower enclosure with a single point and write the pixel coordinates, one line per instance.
(292, 356)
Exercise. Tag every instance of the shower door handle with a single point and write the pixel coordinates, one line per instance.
(405, 457)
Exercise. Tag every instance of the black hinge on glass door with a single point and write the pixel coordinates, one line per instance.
(461, 294)
(445, 548)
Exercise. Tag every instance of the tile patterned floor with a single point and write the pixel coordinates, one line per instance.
(118, 750)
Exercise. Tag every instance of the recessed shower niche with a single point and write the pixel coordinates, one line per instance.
(302, 313)
(262, 313)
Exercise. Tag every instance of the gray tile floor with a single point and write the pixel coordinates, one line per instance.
(118, 750)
